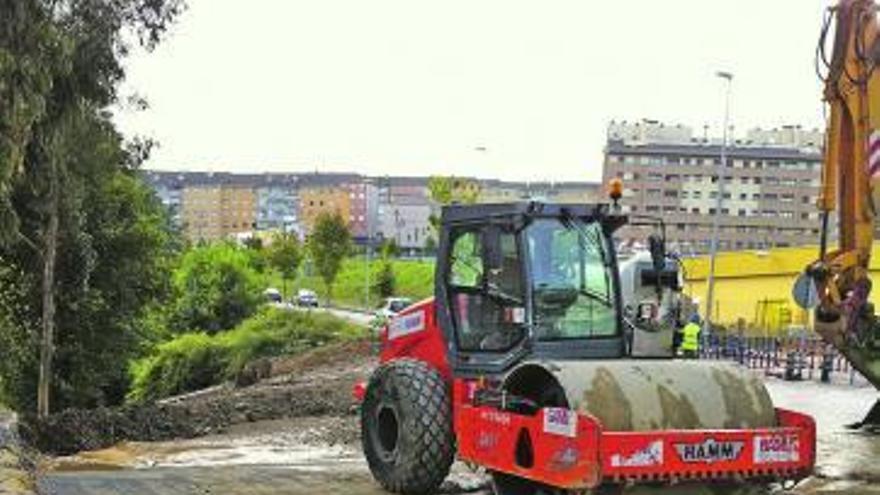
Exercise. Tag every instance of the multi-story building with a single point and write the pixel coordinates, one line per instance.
(277, 203)
(405, 210)
(494, 191)
(363, 210)
(315, 200)
(770, 185)
(215, 210)
(169, 188)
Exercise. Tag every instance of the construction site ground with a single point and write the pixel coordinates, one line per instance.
(320, 454)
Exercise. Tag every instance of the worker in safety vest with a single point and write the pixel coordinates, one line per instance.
(690, 339)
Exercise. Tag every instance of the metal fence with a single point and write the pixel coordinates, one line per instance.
(789, 358)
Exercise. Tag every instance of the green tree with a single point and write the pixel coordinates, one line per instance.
(60, 65)
(386, 283)
(285, 255)
(445, 189)
(216, 288)
(389, 248)
(329, 244)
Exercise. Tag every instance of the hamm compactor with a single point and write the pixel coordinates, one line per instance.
(521, 364)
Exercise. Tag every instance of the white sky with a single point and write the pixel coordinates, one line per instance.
(414, 86)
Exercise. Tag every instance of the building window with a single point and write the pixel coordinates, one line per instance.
(743, 196)
(695, 210)
(744, 180)
(670, 193)
(671, 177)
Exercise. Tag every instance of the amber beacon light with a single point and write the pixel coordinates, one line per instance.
(615, 189)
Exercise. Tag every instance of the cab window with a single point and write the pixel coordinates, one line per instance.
(486, 295)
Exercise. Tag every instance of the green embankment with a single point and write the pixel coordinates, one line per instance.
(413, 279)
(193, 361)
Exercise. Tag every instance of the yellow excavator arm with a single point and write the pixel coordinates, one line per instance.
(840, 277)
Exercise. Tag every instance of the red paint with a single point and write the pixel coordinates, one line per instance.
(427, 345)
(588, 459)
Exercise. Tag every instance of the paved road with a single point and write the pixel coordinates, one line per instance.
(240, 480)
(271, 462)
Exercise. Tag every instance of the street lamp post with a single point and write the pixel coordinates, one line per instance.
(713, 250)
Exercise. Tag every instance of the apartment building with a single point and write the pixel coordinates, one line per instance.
(216, 211)
(315, 200)
(770, 183)
(277, 203)
(495, 191)
(405, 209)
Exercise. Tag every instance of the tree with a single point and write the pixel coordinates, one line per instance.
(386, 283)
(285, 255)
(216, 288)
(329, 244)
(430, 245)
(445, 190)
(60, 65)
(389, 248)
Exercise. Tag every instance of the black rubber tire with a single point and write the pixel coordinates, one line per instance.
(406, 427)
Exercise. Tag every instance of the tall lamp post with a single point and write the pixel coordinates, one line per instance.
(713, 250)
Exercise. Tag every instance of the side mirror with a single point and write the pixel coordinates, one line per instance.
(658, 251)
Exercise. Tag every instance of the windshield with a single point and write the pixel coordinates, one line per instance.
(573, 296)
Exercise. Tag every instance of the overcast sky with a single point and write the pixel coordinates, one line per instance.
(416, 86)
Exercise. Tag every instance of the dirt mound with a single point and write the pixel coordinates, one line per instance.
(317, 383)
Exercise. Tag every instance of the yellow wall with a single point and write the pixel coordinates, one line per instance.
(745, 278)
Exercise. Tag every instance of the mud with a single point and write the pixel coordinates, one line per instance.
(315, 384)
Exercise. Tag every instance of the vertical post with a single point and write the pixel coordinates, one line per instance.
(713, 252)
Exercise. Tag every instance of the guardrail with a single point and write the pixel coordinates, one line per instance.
(795, 358)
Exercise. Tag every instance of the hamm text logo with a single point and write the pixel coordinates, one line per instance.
(709, 451)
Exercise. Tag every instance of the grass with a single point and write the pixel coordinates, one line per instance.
(413, 278)
(195, 361)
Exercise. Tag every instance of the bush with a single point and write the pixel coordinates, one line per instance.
(386, 283)
(217, 287)
(198, 360)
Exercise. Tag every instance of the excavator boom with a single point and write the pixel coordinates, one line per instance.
(843, 315)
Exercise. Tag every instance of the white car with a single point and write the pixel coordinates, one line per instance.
(307, 298)
(392, 306)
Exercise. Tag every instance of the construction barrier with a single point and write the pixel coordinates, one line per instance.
(789, 358)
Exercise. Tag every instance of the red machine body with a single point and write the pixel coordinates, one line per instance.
(574, 451)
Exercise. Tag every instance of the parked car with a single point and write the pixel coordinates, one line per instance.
(307, 298)
(392, 306)
(272, 295)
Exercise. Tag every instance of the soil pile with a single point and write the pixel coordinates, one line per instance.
(317, 383)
